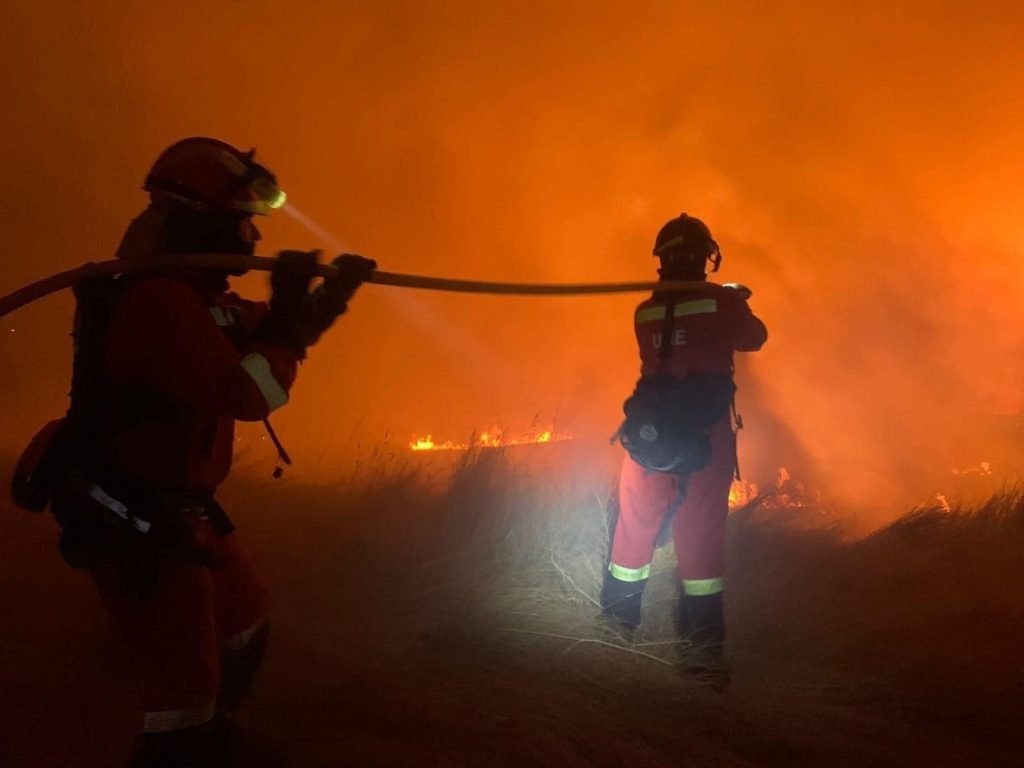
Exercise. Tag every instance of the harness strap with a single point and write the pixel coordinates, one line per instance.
(737, 419)
(668, 326)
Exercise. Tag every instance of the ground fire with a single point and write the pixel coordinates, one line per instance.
(495, 438)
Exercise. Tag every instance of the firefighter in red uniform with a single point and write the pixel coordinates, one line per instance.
(679, 434)
(165, 363)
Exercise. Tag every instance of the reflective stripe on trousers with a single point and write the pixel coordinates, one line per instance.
(623, 573)
(703, 587)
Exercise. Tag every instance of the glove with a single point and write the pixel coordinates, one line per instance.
(289, 295)
(741, 289)
(351, 272)
(290, 278)
(331, 299)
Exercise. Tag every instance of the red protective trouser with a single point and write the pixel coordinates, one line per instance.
(645, 497)
(178, 630)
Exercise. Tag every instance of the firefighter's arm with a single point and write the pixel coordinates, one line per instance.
(751, 333)
(164, 336)
(748, 331)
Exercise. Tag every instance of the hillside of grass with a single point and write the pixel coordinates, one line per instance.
(450, 620)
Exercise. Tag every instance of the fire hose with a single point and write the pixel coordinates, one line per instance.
(233, 262)
(69, 278)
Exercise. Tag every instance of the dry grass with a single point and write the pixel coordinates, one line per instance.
(423, 623)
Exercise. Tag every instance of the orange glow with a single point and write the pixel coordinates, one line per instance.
(858, 164)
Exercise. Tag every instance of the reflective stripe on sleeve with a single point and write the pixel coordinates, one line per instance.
(257, 366)
(651, 313)
(703, 586)
(178, 719)
(629, 574)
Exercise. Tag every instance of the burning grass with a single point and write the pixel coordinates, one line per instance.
(455, 624)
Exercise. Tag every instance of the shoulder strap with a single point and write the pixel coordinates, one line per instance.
(667, 327)
(94, 300)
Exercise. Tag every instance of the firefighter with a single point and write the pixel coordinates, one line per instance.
(679, 436)
(165, 363)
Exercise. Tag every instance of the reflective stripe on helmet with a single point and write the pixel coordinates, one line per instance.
(233, 162)
(258, 367)
(178, 719)
(672, 242)
(629, 574)
(682, 309)
(703, 586)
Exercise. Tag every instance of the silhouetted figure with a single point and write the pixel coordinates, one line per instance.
(165, 362)
(679, 437)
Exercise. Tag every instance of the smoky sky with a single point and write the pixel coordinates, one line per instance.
(860, 167)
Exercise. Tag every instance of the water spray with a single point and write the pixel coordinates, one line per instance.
(314, 228)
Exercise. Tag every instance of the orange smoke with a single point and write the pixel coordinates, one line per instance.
(858, 164)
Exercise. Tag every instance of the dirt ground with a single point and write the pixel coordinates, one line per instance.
(425, 626)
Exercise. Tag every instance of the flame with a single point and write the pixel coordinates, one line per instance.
(982, 469)
(741, 492)
(494, 438)
(784, 493)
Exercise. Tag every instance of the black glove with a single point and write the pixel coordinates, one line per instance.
(331, 299)
(351, 272)
(289, 285)
(290, 278)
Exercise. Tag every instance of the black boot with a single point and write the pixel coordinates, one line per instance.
(621, 600)
(701, 620)
(186, 748)
(238, 667)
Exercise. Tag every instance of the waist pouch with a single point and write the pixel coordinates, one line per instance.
(104, 516)
(668, 420)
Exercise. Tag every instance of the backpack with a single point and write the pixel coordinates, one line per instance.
(70, 441)
(668, 420)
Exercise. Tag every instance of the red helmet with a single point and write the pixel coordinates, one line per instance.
(209, 175)
(687, 241)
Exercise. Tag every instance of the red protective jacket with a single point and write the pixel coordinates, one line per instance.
(192, 347)
(709, 324)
